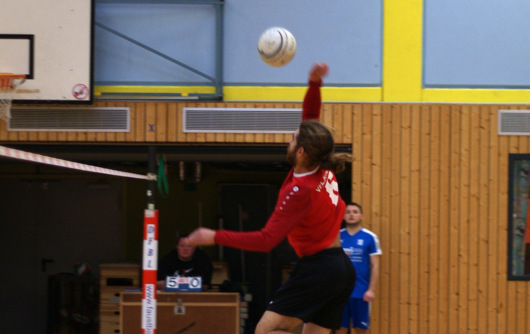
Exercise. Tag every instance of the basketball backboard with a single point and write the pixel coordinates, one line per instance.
(49, 41)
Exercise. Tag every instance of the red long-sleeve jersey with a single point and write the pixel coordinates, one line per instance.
(309, 209)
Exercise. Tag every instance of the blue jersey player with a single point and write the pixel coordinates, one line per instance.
(363, 248)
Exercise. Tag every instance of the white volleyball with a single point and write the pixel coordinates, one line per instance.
(276, 46)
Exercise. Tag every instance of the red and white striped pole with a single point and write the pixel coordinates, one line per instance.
(150, 251)
(149, 271)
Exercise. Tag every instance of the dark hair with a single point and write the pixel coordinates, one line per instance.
(318, 143)
(357, 205)
(180, 236)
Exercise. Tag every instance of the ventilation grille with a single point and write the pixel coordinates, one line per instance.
(91, 119)
(514, 122)
(241, 120)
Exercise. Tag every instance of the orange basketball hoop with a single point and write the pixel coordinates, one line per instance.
(8, 87)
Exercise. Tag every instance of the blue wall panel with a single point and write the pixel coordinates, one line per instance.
(347, 34)
(476, 43)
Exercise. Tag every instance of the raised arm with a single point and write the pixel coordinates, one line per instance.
(313, 100)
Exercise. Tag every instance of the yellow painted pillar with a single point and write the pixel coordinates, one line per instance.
(402, 50)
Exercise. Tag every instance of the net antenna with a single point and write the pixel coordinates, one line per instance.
(9, 83)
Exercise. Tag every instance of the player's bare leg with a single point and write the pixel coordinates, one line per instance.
(272, 322)
(311, 328)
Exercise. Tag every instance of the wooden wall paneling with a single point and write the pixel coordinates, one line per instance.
(325, 114)
(61, 136)
(445, 218)
(463, 220)
(375, 202)
(181, 137)
(492, 222)
(23, 135)
(357, 153)
(527, 319)
(397, 309)
(3, 130)
(520, 301)
(32, 136)
(482, 220)
(14, 135)
(140, 128)
(382, 302)
(376, 170)
(52, 136)
(461, 228)
(474, 195)
(347, 116)
(366, 162)
(433, 217)
(151, 126)
(43, 136)
(90, 137)
(414, 228)
(173, 122)
(82, 137)
(161, 122)
(404, 219)
(337, 128)
(454, 222)
(70, 136)
(424, 223)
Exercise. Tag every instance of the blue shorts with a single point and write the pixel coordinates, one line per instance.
(359, 312)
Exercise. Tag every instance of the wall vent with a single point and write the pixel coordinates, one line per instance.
(241, 120)
(89, 119)
(514, 122)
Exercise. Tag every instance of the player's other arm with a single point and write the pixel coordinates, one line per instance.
(369, 295)
(312, 99)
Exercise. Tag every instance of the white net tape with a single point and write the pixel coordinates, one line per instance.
(8, 88)
(42, 159)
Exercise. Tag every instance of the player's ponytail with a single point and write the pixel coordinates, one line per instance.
(318, 143)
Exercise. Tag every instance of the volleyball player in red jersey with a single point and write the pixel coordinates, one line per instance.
(309, 212)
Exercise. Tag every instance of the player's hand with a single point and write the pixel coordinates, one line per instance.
(318, 71)
(202, 237)
(368, 296)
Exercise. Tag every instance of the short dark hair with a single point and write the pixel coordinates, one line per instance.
(357, 205)
(180, 236)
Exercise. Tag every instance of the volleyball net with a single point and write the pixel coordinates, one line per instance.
(150, 230)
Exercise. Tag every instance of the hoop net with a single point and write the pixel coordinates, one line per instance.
(8, 87)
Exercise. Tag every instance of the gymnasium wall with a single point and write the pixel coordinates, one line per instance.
(433, 179)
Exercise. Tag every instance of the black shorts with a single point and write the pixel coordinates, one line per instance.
(317, 289)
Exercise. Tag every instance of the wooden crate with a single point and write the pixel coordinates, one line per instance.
(114, 278)
(200, 313)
